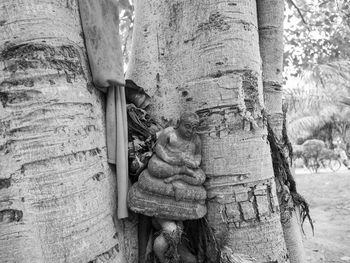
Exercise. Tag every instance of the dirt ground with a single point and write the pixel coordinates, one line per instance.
(328, 194)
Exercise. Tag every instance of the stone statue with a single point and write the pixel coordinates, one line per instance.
(178, 153)
(170, 189)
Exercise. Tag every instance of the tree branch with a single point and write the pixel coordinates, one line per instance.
(299, 11)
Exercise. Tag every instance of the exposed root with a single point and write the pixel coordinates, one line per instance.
(201, 240)
(282, 171)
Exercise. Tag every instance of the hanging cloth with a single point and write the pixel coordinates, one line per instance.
(100, 21)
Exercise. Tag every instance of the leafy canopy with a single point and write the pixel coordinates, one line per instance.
(316, 32)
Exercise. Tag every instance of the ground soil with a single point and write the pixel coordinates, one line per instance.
(328, 194)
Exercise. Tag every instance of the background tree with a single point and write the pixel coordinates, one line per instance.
(317, 52)
(316, 32)
(126, 27)
(318, 103)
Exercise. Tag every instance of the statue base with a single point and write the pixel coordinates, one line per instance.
(162, 206)
(179, 190)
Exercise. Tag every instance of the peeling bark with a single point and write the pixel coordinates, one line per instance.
(208, 61)
(57, 192)
(270, 18)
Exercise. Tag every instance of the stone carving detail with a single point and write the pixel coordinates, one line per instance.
(171, 188)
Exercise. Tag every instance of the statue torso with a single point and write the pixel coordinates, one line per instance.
(177, 144)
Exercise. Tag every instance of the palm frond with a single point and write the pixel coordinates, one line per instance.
(305, 125)
(318, 96)
(336, 71)
(325, 83)
(305, 96)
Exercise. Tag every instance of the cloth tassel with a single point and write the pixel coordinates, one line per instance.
(100, 22)
(117, 135)
(121, 151)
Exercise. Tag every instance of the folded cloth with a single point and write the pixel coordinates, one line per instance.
(100, 21)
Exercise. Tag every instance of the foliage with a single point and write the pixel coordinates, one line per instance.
(317, 103)
(126, 27)
(316, 32)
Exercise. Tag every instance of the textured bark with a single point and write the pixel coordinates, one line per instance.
(293, 236)
(59, 201)
(204, 56)
(270, 20)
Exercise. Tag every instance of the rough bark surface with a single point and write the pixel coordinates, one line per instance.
(59, 200)
(270, 21)
(204, 56)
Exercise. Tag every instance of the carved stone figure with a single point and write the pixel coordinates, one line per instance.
(170, 189)
(178, 153)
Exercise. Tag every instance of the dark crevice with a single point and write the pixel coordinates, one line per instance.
(252, 197)
(10, 215)
(5, 183)
(216, 21)
(76, 155)
(65, 59)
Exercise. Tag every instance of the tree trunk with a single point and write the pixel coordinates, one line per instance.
(57, 192)
(270, 20)
(203, 56)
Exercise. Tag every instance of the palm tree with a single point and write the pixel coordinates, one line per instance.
(318, 98)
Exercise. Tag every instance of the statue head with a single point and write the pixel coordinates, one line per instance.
(188, 125)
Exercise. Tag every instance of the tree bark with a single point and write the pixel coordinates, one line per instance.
(203, 56)
(57, 192)
(270, 21)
